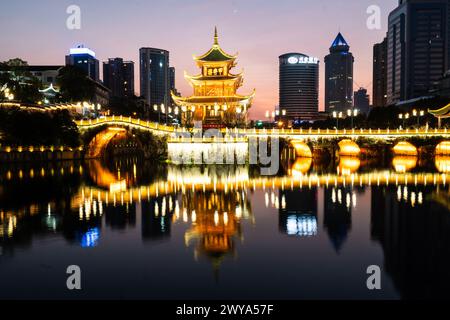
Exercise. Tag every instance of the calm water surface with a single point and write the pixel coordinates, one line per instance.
(143, 231)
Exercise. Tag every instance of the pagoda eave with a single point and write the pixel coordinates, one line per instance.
(211, 100)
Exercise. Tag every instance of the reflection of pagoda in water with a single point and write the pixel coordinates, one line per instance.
(216, 222)
(215, 101)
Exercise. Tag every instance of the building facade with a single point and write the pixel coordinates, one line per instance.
(339, 76)
(299, 86)
(84, 59)
(215, 101)
(380, 74)
(362, 101)
(45, 74)
(154, 76)
(118, 76)
(418, 48)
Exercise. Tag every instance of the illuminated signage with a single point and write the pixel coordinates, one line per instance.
(75, 51)
(293, 60)
(302, 60)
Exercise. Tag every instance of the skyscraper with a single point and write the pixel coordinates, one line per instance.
(154, 76)
(362, 101)
(418, 48)
(380, 74)
(118, 76)
(339, 76)
(299, 86)
(84, 58)
(172, 78)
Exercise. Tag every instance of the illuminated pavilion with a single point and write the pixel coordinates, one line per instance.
(442, 113)
(215, 102)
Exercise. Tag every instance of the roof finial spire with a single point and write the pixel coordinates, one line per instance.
(216, 37)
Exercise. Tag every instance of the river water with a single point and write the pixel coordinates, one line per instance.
(143, 231)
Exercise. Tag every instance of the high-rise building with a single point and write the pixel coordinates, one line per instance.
(380, 74)
(418, 48)
(118, 76)
(299, 86)
(154, 76)
(172, 78)
(339, 76)
(362, 101)
(84, 58)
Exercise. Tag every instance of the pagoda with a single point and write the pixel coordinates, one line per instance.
(215, 102)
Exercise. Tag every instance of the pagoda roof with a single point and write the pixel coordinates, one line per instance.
(216, 53)
(201, 77)
(205, 100)
(443, 112)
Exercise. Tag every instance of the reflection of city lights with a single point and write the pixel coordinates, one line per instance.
(283, 202)
(348, 201)
(216, 218)
(90, 238)
(301, 225)
(156, 209)
(420, 198)
(413, 199)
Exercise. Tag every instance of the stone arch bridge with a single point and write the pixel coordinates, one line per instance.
(304, 141)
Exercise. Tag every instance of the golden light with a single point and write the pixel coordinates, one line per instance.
(301, 149)
(403, 164)
(348, 147)
(443, 164)
(301, 166)
(443, 148)
(405, 149)
(348, 165)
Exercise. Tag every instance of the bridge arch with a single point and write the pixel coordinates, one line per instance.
(99, 143)
(348, 147)
(404, 148)
(443, 149)
(302, 150)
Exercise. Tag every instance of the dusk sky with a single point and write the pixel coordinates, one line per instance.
(258, 30)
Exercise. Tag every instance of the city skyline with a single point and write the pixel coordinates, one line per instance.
(260, 32)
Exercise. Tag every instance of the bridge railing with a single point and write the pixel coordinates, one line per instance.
(153, 126)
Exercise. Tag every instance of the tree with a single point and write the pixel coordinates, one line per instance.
(23, 85)
(74, 85)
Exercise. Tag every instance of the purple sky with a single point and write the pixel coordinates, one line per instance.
(258, 30)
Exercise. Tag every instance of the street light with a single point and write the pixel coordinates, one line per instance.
(403, 117)
(352, 113)
(418, 114)
(337, 116)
